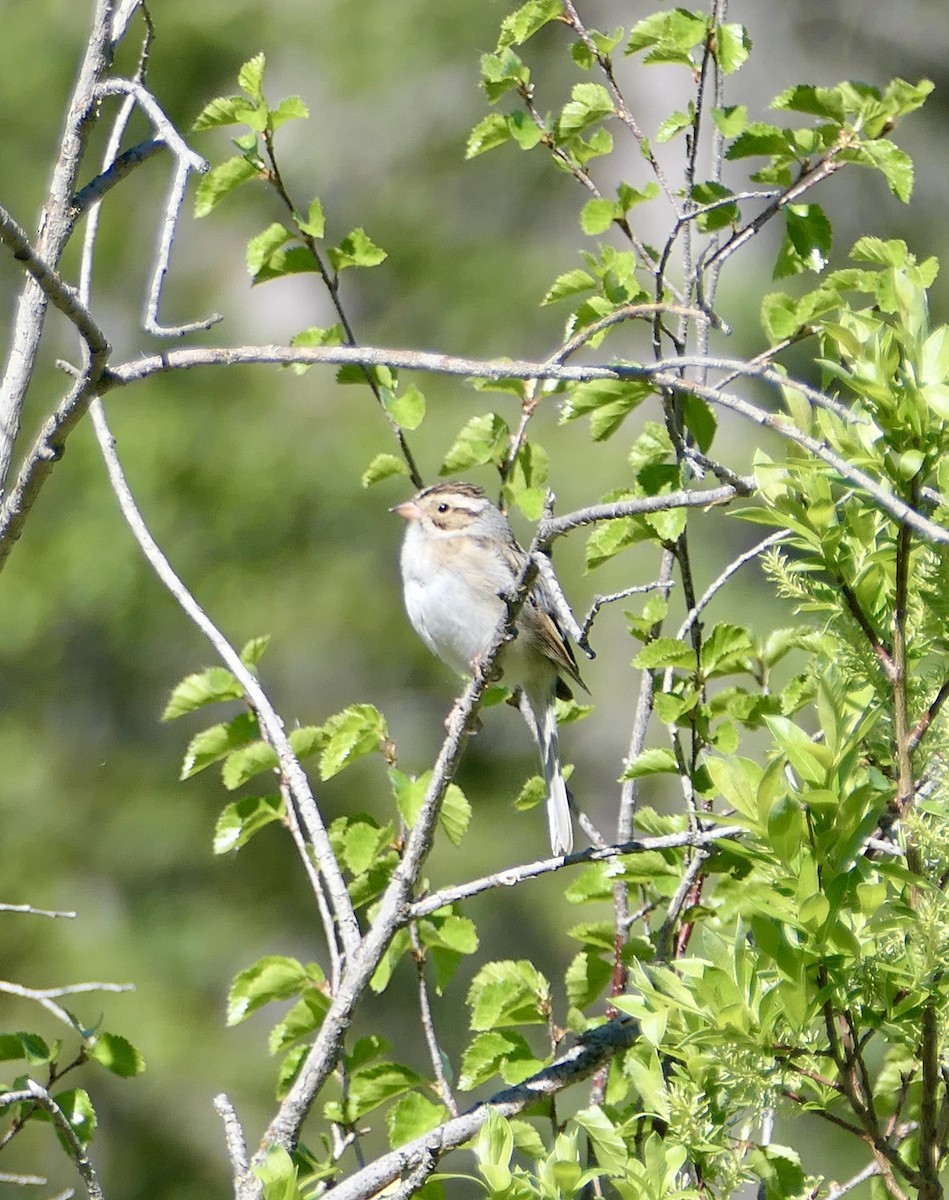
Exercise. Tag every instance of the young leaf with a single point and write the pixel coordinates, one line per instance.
(271, 978)
(241, 819)
(353, 733)
(484, 439)
(116, 1054)
(211, 745)
(383, 466)
(412, 1116)
(221, 180)
(356, 250)
(205, 687)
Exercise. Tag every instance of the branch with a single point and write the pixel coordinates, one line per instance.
(233, 1134)
(54, 229)
(39, 912)
(106, 180)
(270, 724)
(512, 876)
(587, 1056)
(47, 996)
(393, 908)
(74, 1147)
(56, 290)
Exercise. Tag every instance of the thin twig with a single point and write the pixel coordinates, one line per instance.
(270, 724)
(46, 997)
(512, 876)
(120, 167)
(233, 1134)
(428, 1023)
(69, 1137)
(612, 598)
(54, 228)
(173, 203)
(39, 912)
(591, 1051)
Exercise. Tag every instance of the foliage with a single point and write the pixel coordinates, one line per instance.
(771, 942)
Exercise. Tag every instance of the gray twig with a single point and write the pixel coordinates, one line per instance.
(512, 876)
(270, 724)
(39, 912)
(233, 1134)
(591, 1051)
(74, 1147)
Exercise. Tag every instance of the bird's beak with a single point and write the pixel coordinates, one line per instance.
(408, 510)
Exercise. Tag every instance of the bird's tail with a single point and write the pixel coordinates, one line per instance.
(541, 715)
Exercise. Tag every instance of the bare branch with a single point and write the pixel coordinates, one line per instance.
(163, 127)
(270, 724)
(54, 229)
(173, 203)
(588, 1055)
(46, 997)
(56, 290)
(512, 876)
(233, 1134)
(74, 1147)
(39, 912)
(120, 167)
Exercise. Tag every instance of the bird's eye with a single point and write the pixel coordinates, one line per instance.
(443, 507)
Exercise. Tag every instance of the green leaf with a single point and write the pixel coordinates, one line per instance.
(375, 1084)
(895, 164)
(658, 761)
(383, 466)
(205, 687)
(356, 250)
(262, 247)
(492, 131)
(597, 215)
(731, 119)
(589, 102)
(273, 977)
(569, 285)
(411, 1116)
(608, 401)
(483, 439)
(76, 1107)
(732, 46)
(29, 1046)
(674, 124)
(224, 110)
(278, 1176)
(496, 1052)
(519, 26)
(307, 740)
(246, 762)
(668, 36)
(253, 650)
(665, 652)
(353, 733)
(116, 1054)
(291, 109)
(241, 819)
(407, 409)
(251, 77)
(211, 745)
(304, 1018)
(587, 978)
(807, 240)
(294, 260)
(221, 180)
(315, 223)
(508, 993)
(723, 214)
(610, 1149)
(759, 138)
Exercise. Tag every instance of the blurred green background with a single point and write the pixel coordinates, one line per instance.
(249, 478)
